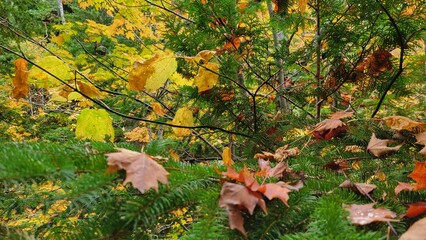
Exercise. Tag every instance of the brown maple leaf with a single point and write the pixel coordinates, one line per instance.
(141, 170)
(272, 190)
(340, 115)
(415, 209)
(379, 148)
(329, 128)
(361, 188)
(417, 231)
(267, 171)
(236, 220)
(402, 187)
(419, 175)
(241, 196)
(402, 123)
(366, 214)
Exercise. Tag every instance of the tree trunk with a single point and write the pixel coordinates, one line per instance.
(61, 11)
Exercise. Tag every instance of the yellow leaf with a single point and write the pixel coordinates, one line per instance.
(20, 81)
(183, 117)
(227, 156)
(94, 124)
(206, 79)
(174, 155)
(157, 108)
(55, 67)
(152, 73)
(89, 90)
(204, 55)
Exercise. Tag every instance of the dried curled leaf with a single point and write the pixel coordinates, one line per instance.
(366, 214)
(267, 171)
(339, 166)
(280, 154)
(242, 196)
(402, 187)
(141, 170)
(379, 148)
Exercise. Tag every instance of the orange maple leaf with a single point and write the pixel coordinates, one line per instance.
(141, 170)
(366, 214)
(419, 175)
(415, 209)
(272, 190)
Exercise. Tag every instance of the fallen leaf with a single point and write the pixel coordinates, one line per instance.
(340, 115)
(236, 220)
(227, 156)
(361, 188)
(339, 166)
(402, 187)
(379, 148)
(329, 128)
(402, 123)
(415, 209)
(141, 170)
(366, 214)
(272, 190)
(152, 73)
(241, 196)
(248, 179)
(417, 231)
(419, 175)
(267, 171)
(183, 117)
(206, 77)
(20, 81)
(94, 124)
(280, 154)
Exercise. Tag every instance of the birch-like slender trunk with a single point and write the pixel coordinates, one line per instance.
(61, 11)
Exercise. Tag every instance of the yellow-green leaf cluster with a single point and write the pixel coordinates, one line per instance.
(94, 124)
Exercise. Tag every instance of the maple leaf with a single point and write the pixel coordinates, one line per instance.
(152, 73)
(156, 107)
(236, 220)
(402, 187)
(417, 231)
(379, 148)
(247, 178)
(202, 57)
(272, 190)
(227, 156)
(402, 123)
(20, 81)
(329, 128)
(362, 188)
(241, 196)
(94, 124)
(183, 117)
(366, 214)
(419, 175)
(415, 209)
(206, 77)
(267, 171)
(141, 170)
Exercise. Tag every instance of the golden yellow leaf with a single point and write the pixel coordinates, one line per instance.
(89, 89)
(204, 55)
(174, 155)
(20, 81)
(227, 156)
(183, 117)
(152, 73)
(157, 108)
(402, 123)
(206, 79)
